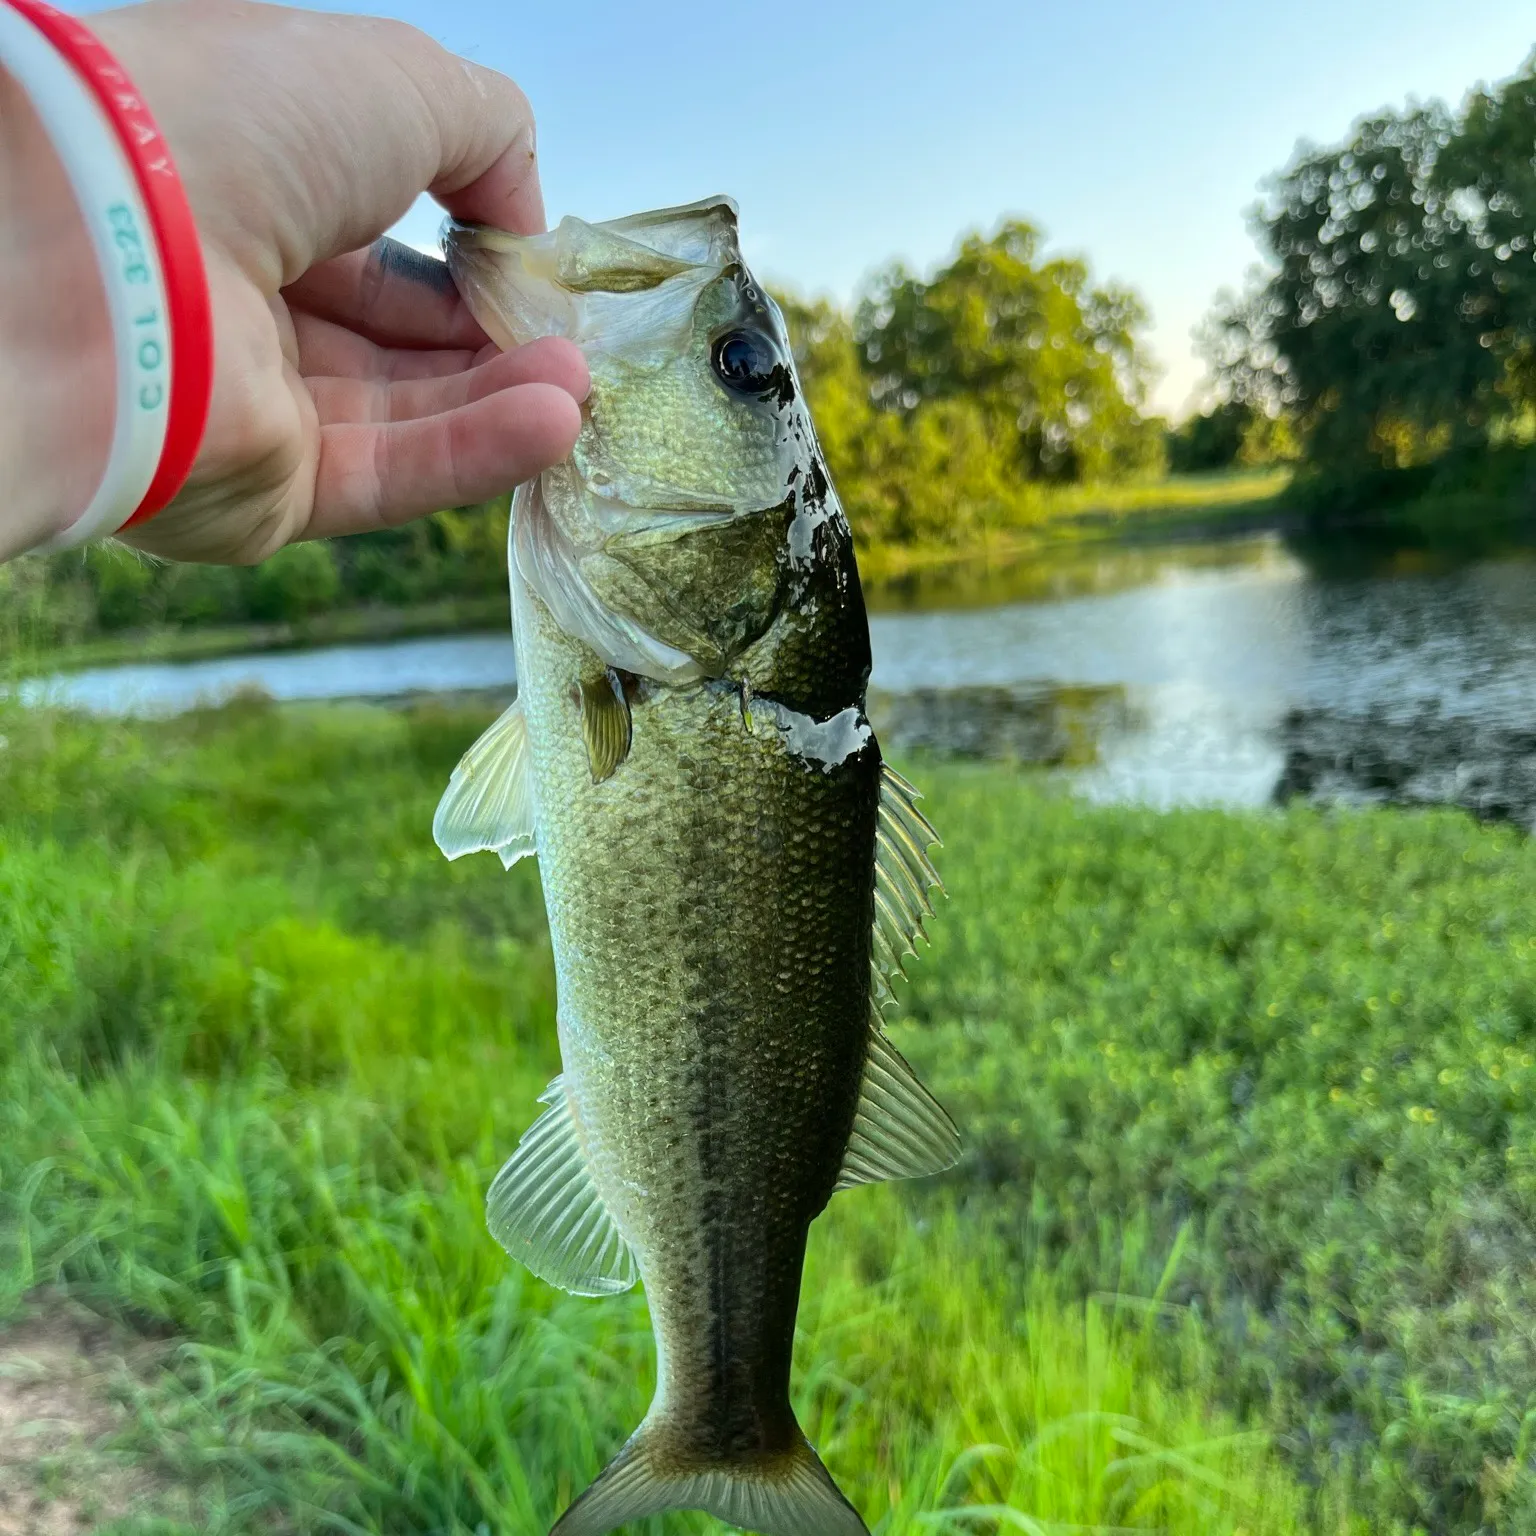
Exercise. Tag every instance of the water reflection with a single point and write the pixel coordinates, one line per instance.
(1057, 727)
(445, 663)
(1063, 570)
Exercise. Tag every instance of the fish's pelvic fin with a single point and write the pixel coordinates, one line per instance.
(900, 1131)
(606, 725)
(790, 1495)
(904, 875)
(488, 804)
(544, 1209)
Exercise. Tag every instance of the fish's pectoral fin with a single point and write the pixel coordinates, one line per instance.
(544, 1209)
(788, 1495)
(607, 727)
(904, 875)
(488, 804)
(900, 1131)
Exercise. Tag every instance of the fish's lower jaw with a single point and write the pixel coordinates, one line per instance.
(788, 1495)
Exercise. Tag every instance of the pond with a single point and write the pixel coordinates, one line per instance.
(1220, 671)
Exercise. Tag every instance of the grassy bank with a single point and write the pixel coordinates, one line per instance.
(1242, 1241)
(1088, 512)
(340, 626)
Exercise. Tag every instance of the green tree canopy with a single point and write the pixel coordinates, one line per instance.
(933, 474)
(945, 403)
(1051, 361)
(1399, 316)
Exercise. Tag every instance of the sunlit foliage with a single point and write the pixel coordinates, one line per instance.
(1234, 432)
(1051, 362)
(949, 405)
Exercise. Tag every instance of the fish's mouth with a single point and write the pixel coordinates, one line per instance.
(523, 287)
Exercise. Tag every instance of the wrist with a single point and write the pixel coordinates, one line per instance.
(57, 375)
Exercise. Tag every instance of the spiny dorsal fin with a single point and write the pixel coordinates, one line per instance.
(606, 724)
(904, 874)
(900, 1130)
(489, 800)
(544, 1209)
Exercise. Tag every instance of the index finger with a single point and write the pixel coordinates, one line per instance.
(392, 294)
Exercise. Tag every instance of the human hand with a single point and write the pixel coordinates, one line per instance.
(352, 389)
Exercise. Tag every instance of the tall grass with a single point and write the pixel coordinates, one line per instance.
(362, 1359)
(261, 1050)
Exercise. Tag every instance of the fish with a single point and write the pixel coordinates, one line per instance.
(733, 876)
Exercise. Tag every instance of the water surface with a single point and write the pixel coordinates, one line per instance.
(1214, 672)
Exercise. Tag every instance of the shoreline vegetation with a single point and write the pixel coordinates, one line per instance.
(1212, 505)
(1206, 504)
(1241, 1241)
(1203, 506)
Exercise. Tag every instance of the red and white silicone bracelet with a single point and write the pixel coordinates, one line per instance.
(148, 250)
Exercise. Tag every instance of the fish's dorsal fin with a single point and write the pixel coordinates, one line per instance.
(904, 874)
(544, 1209)
(900, 1131)
(488, 804)
(607, 727)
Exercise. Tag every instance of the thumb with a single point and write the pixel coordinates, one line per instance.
(303, 135)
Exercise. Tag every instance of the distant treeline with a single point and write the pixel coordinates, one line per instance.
(949, 405)
(1391, 343)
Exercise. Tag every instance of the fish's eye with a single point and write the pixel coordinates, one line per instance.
(746, 361)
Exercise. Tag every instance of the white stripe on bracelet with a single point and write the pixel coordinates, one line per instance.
(109, 199)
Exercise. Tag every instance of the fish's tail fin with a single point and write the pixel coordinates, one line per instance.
(786, 1495)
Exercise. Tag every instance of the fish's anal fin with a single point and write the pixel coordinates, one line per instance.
(544, 1209)
(606, 725)
(488, 804)
(789, 1495)
(900, 1131)
(904, 875)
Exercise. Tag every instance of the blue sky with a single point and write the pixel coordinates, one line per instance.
(1133, 131)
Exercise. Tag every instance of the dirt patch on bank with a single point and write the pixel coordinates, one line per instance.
(65, 1377)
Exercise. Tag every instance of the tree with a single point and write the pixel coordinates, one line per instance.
(1210, 440)
(1231, 433)
(1050, 361)
(1398, 317)
(295, 582)
(1489, 166)
(934, 474)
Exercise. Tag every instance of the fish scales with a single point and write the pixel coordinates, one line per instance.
(730, 872)
(738, 1027)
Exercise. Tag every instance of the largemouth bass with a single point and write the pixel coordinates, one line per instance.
(731, 873)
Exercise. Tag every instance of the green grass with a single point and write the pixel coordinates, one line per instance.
(1243, 1239)
(1212, 493)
